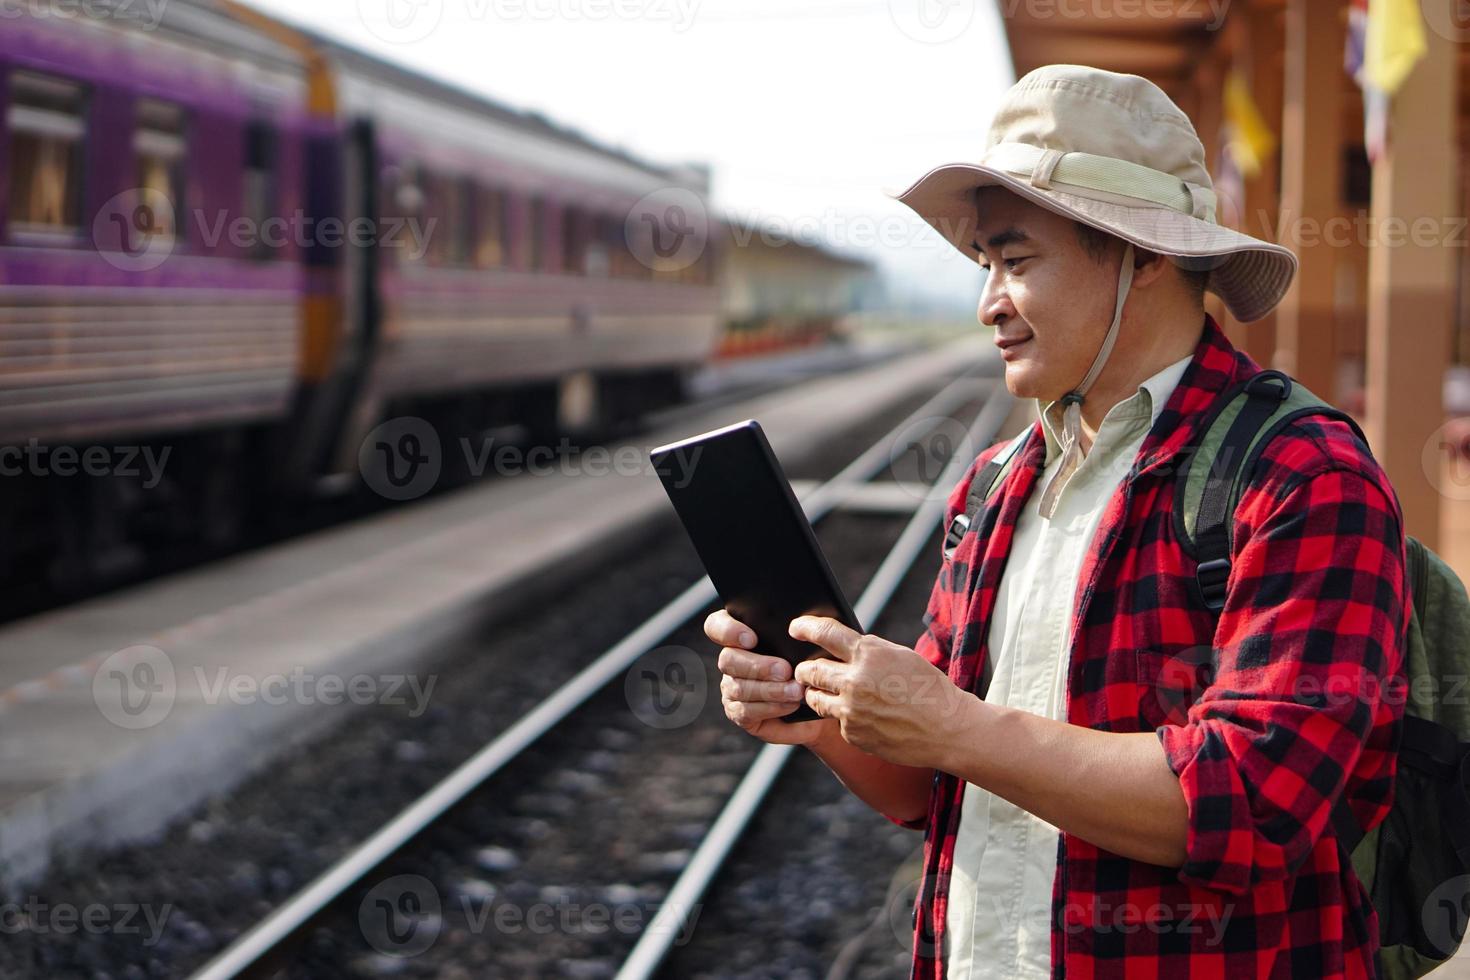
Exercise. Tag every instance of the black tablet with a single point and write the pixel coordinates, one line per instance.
(753, 537)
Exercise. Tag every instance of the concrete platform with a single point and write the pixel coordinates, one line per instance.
(121, 713)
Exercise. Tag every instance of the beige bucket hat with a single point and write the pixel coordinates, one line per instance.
(1112, 151)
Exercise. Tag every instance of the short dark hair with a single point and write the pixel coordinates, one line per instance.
(1096, 243)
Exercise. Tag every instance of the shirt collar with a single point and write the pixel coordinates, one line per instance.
(1152, 393)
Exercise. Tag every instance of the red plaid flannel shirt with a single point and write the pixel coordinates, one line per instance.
(1267, 711)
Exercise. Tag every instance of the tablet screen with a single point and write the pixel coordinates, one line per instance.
(752, 536)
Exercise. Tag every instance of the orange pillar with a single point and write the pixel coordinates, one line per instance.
(1311, 178)
(1415, 212)
(1208, 84)
(1262, 193)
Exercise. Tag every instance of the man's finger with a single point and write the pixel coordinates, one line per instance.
(728, 631)
(747, 713)
(821, 702)
(756, 666)
(838, 640)
(742, 689)
(819, 672)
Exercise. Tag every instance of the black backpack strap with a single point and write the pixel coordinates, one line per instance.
(1436, 751)
(1211, 533)
(980, 488)
(1346, 826)
(1271, 401)
(1431, 748)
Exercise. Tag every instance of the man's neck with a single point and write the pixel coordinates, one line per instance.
(1107, 392)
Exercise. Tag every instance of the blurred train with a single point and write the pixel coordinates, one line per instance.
(231, 240)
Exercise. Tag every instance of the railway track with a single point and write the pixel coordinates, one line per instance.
(359, 909)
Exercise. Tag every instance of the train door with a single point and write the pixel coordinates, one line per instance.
(364, 299)
(343, 309)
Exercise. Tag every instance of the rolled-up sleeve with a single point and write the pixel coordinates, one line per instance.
(1312, 630)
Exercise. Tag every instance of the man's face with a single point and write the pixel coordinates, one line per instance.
(1045, 287)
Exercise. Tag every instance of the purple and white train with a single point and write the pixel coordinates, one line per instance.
(229, 237)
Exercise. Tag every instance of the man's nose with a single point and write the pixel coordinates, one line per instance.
(995, 305)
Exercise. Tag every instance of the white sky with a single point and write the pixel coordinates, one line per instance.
(807, 110)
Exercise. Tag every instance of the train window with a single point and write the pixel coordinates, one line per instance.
(407, 205)
(47, 123)
(697, 272)
(613, 236)
(447, 207)
(158, 149)
(258, 193)
(433, 219)
(703, 267)
(634, 244)
(596, 256)
(574, 240)
(537, 234)
(454, 218)
(491, 245)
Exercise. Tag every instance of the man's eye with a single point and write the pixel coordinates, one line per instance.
(1008, 263)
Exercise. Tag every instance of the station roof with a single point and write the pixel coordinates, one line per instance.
(1162, 40)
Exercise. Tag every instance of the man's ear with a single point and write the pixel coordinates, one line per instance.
(1148, 266)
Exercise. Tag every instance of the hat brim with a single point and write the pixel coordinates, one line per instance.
(1248, 274)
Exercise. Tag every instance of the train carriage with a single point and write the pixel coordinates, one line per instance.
(509, 257)
(228, 238)
(118, 317)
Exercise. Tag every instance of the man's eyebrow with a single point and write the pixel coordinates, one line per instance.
(1000, 239)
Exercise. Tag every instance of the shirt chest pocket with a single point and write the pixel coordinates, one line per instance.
(1167, 681)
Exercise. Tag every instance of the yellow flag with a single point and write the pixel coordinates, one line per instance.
(1394, 42)
(1251, 140)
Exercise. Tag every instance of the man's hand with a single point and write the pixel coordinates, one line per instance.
(757, 690)
(887, 699)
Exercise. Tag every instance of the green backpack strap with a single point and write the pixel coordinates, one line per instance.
(1243, 420)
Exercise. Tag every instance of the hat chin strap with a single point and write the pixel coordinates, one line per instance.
(1072, 413)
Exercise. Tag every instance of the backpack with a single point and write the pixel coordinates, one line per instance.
(1415, 864)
